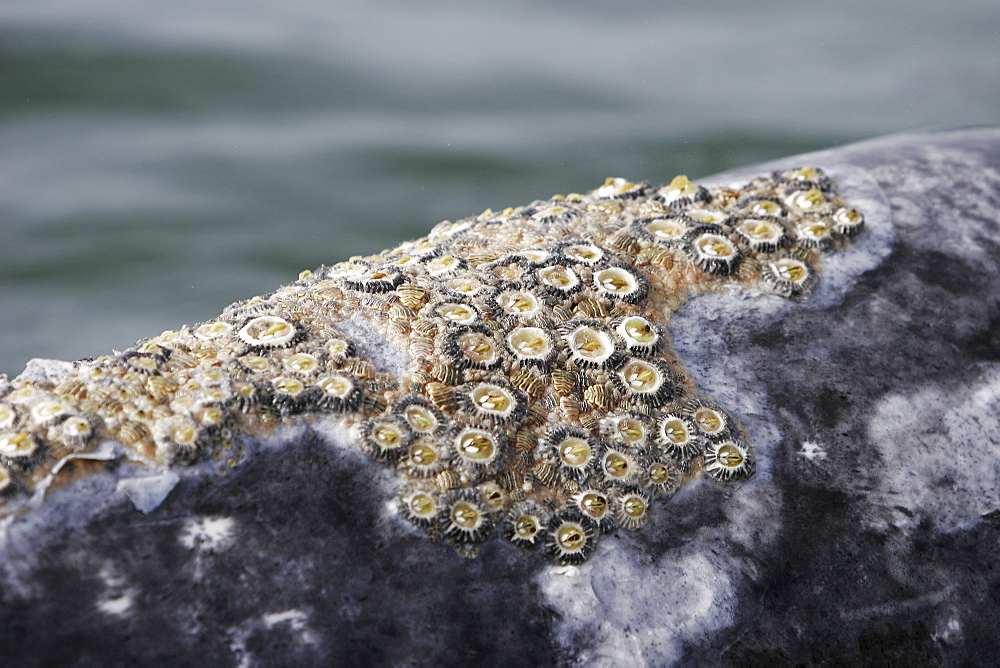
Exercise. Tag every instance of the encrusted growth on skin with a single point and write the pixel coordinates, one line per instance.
(543, 400)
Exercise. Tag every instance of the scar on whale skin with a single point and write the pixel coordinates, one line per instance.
(543, 400)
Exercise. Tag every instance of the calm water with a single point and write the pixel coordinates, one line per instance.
(161, 160)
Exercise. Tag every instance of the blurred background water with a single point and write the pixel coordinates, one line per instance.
(159, 160)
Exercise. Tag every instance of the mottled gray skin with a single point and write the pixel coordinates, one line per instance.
(865, 536)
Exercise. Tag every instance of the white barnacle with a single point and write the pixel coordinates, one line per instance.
(681, 191)
(762, 235)
(340, 391)
(589, 346)
(268, 331)
(48, 411)
(303, 364)
(444, 265)
(848, 221)
(620, 282)
(17, 445)
(638, 333)
(573, 450)
(582, 253)
(664, 230)
(679, 437)
(531, 345)
(788, 276)
(806, 201)
(560, 279)
(618, 188)
(461, 314)
(714, 252)
(518, 303)
(645, 380)
(814, 233)
(213, 330)
(491, 400)
(8, 416)
(476, 447)
(633, 510)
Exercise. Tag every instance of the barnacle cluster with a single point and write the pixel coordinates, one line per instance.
(543, 400)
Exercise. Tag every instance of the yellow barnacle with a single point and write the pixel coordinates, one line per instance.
(727, 460)
(593, 504)
(634, 506)
(387, 436)
(630, 430)
(617, 465)
(6, 479)
(526, 527)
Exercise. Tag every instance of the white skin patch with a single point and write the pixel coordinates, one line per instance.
(210, 534)
(814, 452)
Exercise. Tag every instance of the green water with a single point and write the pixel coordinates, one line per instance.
(159, 161)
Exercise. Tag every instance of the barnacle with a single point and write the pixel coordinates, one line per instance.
(571, 539)
(466, 518)
(541, 390)
(725, 460)
(525, 524)
(621, 282)
(269, 331)
(588, 344)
